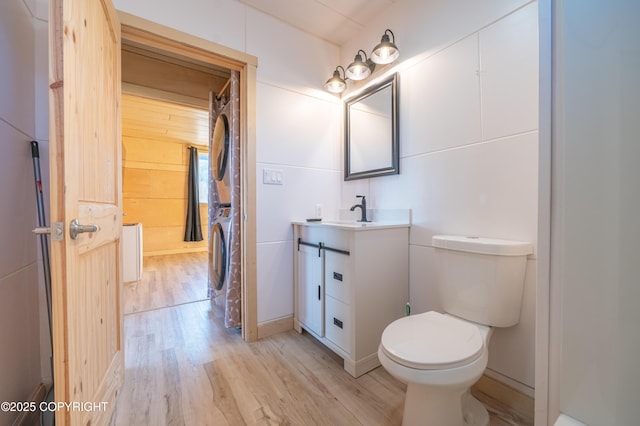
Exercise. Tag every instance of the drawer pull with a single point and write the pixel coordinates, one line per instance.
(337, 322)
(337, 276)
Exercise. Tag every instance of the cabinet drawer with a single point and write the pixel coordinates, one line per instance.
(337, 276)
(338, 323)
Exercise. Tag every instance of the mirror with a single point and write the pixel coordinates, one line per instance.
(371, 132)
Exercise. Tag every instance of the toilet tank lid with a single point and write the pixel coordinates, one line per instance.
(491, 246)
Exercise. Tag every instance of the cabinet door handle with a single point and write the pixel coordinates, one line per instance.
(318, 292)
(337, 276)
(337, 322)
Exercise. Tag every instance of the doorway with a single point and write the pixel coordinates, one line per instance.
(159, 40)
(164, 269)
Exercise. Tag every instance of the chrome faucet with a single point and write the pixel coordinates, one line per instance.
(363, 208)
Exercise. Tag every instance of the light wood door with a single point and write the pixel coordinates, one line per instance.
(86, 184)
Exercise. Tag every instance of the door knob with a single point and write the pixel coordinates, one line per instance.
(75, 228)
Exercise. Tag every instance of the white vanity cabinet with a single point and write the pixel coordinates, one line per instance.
(351, 282)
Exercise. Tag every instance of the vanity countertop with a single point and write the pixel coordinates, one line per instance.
(381, 219)
(352, 225)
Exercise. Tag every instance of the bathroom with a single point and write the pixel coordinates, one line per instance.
(468, 160)
(489, 129)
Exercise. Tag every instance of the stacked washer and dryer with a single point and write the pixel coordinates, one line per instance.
(220, 241)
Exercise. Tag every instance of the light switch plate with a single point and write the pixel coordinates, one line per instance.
(272, 176)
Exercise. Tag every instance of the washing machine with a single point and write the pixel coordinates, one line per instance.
(220, 250)
(219, 242)
(221, 155)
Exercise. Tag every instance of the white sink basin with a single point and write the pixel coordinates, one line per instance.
(400, 218)
(348, 223)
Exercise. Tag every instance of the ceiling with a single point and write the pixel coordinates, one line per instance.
(162, 75)
(155, 120)
(336, 21)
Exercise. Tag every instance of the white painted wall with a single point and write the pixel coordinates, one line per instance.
(595, 343)
(468, 143)
(20, 298)
(298, 125)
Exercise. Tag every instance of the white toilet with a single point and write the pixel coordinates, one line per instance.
(440, 356)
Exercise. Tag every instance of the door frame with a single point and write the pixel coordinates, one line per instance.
(156, 37)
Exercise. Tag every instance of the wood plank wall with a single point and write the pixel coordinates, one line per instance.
(152, 70)
(155, 138)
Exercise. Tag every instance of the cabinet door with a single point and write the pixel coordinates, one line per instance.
(310, 289)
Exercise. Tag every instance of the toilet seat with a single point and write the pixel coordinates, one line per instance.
(432, 341)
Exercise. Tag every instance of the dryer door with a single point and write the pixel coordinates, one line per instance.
(220, 147)
(218, 268)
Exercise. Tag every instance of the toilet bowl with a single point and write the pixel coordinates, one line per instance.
(439, 357)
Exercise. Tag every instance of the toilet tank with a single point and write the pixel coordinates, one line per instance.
(481, 279)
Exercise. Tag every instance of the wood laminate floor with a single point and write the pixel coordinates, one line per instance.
(167, 280)
(184, 368)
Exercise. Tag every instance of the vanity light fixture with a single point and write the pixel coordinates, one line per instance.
(387, 51)
(336, 84)
(384, 53)
(359, 69)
